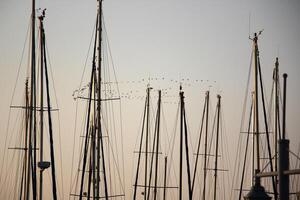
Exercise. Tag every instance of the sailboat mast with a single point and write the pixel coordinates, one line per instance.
(50, 130)
(41, 105)
(146, 142)
(256, 115)
(140, 148)
(32, 116)
(205, 146)
(157, 145)
(99, 129)
(181, 145)
(276, 119)
(276, 114)
(184, 128)
(217, 146)
(26, 178)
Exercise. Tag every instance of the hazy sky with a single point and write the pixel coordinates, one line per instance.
(195, 39)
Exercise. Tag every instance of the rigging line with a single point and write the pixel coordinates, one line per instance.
(58, 116)
(50, 123)
(9, 173)
(246, 92)
(167, 140)
(210, 146)
(266, 127)
(119, 175)
(106, 110)
(13, 94)
(198, 146)
(113, 126)
(118, 89)
(18, 158)
(113, 154)
(246, 150)
(225, 139)
(242, 119)
(140, 148)
(76, 110)
(88, 116)
(82, 128)
(171, 148)
(152, 155)
(9, 142)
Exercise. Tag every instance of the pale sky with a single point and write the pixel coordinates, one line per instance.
(174, 39)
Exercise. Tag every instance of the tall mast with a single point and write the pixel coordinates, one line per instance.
(140, 148)
(99, 128)
(146, 142)
(205, 146)
(284, 151)
(276, 108)
(27, 167)
(41, 104)
(256, 115)
(184, 128)
(258, 73)
(32, 117)
(44, 165)
(256, 133)
(181, 145)
(217, 146)
(276, 118)
(157, 144)
(198, 146)
(183, 133)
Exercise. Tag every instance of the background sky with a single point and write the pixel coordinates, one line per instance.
(174, 39)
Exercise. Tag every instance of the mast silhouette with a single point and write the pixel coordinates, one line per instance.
(217, 146)
(205, 146)
(146, 110)
(32, 115)
(30, 164)
(257, 71)
(184, 138)
(94, 155)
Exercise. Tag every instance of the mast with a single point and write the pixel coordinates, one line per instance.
(198, 146)
(99, 128)
(181, 145)
(205, 146)
(256, 114)
(25, 179)
(276, 114)
(186, 149)
(284, 152)
(41, 104)
(266, 126)
(154, 152)
(183, 133)
(256, 133)
(157, 144)
(32, 115)
(146, 142)
(140, 147)
(165, 178)
(276, 120)
(217, 146)
(44, 165)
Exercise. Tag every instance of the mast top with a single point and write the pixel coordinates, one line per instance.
(42, 16)
(277, 62)
(255, 37)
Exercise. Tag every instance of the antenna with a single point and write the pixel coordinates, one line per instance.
(249, 30)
